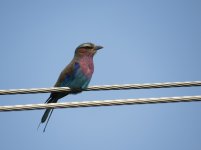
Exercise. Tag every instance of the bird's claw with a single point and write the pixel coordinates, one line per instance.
(76, 90)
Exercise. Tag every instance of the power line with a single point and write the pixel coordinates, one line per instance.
(101, 103)
(103, 87)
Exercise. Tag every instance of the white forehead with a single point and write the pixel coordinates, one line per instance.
(86, 45)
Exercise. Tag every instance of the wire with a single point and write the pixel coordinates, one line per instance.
(103, 87)
(101, 103)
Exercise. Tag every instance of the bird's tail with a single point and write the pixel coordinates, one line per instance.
(54, 97)
(48, 112)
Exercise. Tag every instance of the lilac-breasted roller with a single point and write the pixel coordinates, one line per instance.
(75, 75)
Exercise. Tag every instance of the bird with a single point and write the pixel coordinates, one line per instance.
(76, 75)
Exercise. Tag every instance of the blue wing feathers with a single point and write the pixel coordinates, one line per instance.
(77, 79)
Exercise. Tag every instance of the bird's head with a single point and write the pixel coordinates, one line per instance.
(87, 49)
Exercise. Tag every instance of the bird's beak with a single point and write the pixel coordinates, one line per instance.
(97, 47)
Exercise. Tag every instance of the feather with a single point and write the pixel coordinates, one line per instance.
(76, 75)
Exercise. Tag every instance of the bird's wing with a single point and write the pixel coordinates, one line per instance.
(67, 74)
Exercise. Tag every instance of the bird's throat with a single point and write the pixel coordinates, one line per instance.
(87, 66)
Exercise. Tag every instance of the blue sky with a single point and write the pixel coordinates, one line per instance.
(144, 42)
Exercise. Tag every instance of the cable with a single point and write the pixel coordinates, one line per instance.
(101, 103)
(103, 87)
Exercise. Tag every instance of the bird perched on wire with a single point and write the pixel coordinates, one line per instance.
(76, 75)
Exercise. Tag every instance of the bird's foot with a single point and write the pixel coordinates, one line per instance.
(76, 90)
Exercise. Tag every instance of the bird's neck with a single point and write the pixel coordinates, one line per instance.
(86, 58)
